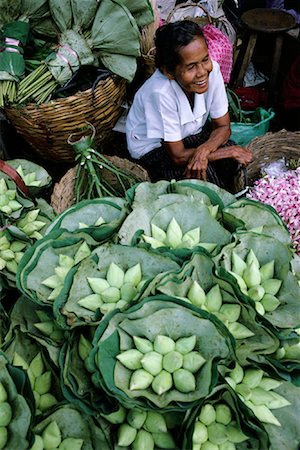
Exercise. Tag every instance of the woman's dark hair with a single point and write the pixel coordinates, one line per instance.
(170, 38)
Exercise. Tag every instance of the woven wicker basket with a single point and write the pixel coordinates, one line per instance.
(46, 127)
(272, 147)
(63, 192)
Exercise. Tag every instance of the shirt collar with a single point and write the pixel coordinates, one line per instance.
(186, 112)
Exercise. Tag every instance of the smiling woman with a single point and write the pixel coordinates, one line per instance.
(178, 125)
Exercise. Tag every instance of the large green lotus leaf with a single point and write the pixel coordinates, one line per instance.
(46, 28)
(96, 266)
(258, 439)
(83, 13)
(41, 174)
(77, 385)
(166, 316)
(123, 65)
(146, 192)
(61, 13)
(286, 437)
(141, 10)
(35, 9)
(75, 424)
(112, 210)
(123, 39)
(19, 427)
(216, 194)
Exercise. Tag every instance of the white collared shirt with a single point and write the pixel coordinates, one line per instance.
(161, 112)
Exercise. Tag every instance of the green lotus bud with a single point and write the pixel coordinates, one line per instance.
(61, 272)
(193, 361)
(174, 234)
(196, 294)
(200, 434)
(5, 414)
(38, 443)
(47, 401)
(99, 222)
(128, 292)
(153, 242)
(267, 270)
(230, 312)
(238, 265)
(272, 285)
(158, 233)
(120, 304)
(241, 283)
(263, 414)
(261, 397)
(185, 345)
(142, 344)
(172, 361)
(277, 401)
(208, 246)
(43, 383)
(82, 225)
(12, 266)
(155, 422)
(98, 285)
(252, 377)
(45, 327)
(136, 418)
(152, 362)
(163, 344)
(162, 382)
(4, 437)
(133, 275)
(164, 440)
(82, 253)
(268, 383)
(31, 376)
(36, 398)
(3, 393)
(231, 382)
(7, 255)
(140, 379)
(191, 238)
(14, 205)
(292, 351)
(3, 187)
(71, 444)
(260, 308)
(223, 413)
(217, 433)
(237, 374)
(270, 302)
(131, 359)
(51, 436)
(235, 434)
(207, 414)
(126, 435)
(143, 441)
(256, 293)
(66, 261)
(214, 299)
(184, 381)
(107, 307)
(252, 259)
(280, 353)
(19, 361)
(84, 347)
(251, 275)
(239, 331)
(115, 276)
(6, 209)
(111, 295)
(3, 200)
(18, 257)
(213, 210)
(227, 446)
(209, 446)
(51, 282)
(17, 246)
(244, 391)
(37, 365)
(91, 302)
(116, 417)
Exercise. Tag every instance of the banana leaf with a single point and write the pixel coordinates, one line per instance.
(74, 424)
(61, 13)
(141, 10)
(83, 12)
(114, 30)
(42, 177)
(112, 210)
(20, 398)
(123, 65)
(201, 268)
(249, 425)
(153, 316)
(67, 310)
(9, 11)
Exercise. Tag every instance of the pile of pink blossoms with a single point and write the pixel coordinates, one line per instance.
(283, 193)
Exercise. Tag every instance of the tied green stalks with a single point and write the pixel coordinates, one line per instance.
(90, 182)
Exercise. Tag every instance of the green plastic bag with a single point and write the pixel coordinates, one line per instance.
(259, 122)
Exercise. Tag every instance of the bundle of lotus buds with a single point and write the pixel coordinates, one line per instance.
(51, 438)
(30, 225)
(8, 202)
(10, 253)
(28, 178)
(6, 414)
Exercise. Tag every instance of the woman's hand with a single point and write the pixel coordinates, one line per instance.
(197, 165)
(241, 154)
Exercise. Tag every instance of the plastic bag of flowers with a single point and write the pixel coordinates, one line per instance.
(101, 218)
(260, 268)
(111, 277)
(221, 421)
(198, 284)
(69, 429)
(165, 228)
(45, 267)
(16, 405)
(24, 352)
(253, 215)
(147, 356)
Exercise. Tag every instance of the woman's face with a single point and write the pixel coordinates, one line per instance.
(193, 71)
